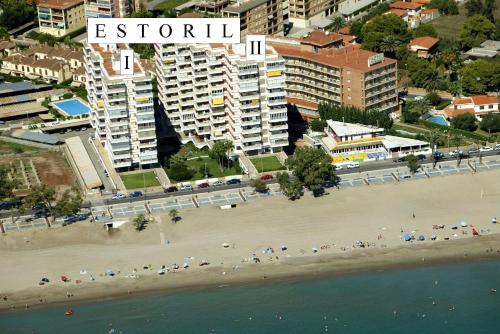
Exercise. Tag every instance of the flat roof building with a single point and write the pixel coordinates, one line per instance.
(211, 92)
(346, 76)
(110, 8)
(60, 17)
(122, 111)
(347, 142)
(260, 17)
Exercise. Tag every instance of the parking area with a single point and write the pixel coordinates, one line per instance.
(166, 204)
(219, 198)
(127, 210)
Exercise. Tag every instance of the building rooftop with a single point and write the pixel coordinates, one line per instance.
(59, 4)
(16, 88)
(244, 6)
(351, 129)
(405, 5)
(488, 49)
(477, 100)
(320, 38)
(398, 12)
(348, 56)
(38, 137)
(426, 42)
(395, 142)
(452, 112)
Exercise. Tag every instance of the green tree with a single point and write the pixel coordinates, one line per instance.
(389, 45)
(490, 122)
(4, 34)
(480, 76)
(445, 7)
(424, 30)
(433, 98)
(220, 151)
(476, 30)
(180, 172)
(474, 7)
(145, 51)
(291, 188)
(174, 215)
(41, 194)
(142, 14)
(376, 31)
(410, 117)
(317, 125)
(412, 163)
(489, 9)
(68, 203)
(140, 222)
(15, 13)
(354, 115)
(260, 186)
(337, 23)
(6, 184)
(465, 121)
(312, 167)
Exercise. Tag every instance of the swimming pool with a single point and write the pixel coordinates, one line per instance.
(438, 120)
(72, 107)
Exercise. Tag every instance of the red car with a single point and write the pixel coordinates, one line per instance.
(266, 177)
(203, 185)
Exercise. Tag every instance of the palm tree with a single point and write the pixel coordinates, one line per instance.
(389, 45)
(173, 214)
(336, 24)
(433, 137)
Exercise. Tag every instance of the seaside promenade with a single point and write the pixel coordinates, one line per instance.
(353, 228)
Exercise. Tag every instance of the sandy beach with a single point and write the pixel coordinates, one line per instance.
(377, 216)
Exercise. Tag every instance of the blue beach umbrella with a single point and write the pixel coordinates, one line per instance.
(407, 237)
(421, 238)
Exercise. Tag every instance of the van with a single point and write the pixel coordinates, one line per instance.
(352, 165)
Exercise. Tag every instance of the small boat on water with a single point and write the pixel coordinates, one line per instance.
(68, 312)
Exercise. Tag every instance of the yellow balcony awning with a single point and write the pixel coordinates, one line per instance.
(218, 100)
(100, 104)
(142, 99)
(274, 73)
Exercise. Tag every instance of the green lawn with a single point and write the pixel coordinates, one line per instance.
(170, 4)
(138, 180)
(212, 167)
(267, 164)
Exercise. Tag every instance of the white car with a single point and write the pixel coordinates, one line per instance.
(486, 149)
(455, 153)
(337, 167)
(497, 147)
(352, 165)
(218, 183)
(186, 187)
(119, 196)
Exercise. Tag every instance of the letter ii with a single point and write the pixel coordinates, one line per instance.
(127, 62)
(256, 47)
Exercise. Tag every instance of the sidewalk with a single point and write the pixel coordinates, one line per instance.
(162, 177)
(103, 155)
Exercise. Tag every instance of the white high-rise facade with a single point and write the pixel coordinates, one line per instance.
(122, 111)
(211, 92)
(109, 8)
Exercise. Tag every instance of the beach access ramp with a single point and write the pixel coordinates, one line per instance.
(82, 163)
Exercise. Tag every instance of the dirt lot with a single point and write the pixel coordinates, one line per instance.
(53, 170)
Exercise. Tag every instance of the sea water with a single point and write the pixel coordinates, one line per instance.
(454, 298)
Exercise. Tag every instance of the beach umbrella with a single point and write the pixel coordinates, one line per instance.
(433, 237)
(407, 237)
(463, 224)
(284, 247)
(421, 238)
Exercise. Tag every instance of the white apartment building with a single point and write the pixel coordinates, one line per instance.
(211, 92)
(122, 108)
(109, 8)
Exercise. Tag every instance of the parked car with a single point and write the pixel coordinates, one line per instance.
(486, 149)
(218, 183)
(233, 181)
(135, 194)
(39, 210)
(317, 192)
(421, 156)
(497, 147)
(118, 196)
(454, 153)
(69, 219)
(203, 185)
(186, 187)
(170, 189)
(10, 204)
(329, 184)
(473, 151)
(337, 167)
(438, 155)
(352, 165)
(266, 177)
